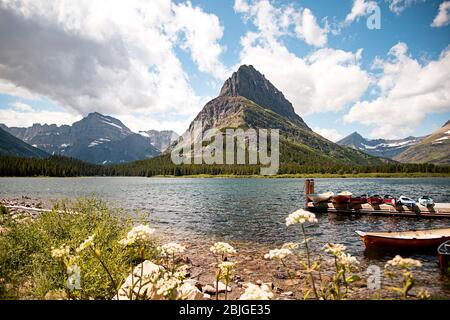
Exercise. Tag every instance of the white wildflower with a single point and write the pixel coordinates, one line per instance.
(171, 249)
(140, 234)
(181, 271)
(278, 254)
(86, 244)
(403, 263)
(335, 249)
(301, 216)
(61, 252)
(167, 284)
(348, 260)
(226, 267)
(222, 248)
(255, 292)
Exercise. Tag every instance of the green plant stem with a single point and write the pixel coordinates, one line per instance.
(142, 271)
(287, 270)
(226, 285)
(344, 277)
(217, 285)
(309, 263)
(338, 287)
(107, 271)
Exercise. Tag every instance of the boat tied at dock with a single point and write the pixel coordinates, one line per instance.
(388, 205)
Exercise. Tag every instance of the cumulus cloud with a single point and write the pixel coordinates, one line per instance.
(142, 122)
(202, 33)
(310, 31)
(20, 114)
(318, 82)
(273, 22)
(23, 107)
(360, 8)
(398, 6)
(443, 17)
(109, 56)
(408, 91)
(330, 134)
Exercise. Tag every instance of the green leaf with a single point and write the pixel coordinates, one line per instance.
(352, 279)
(306, 295)
(395, 289)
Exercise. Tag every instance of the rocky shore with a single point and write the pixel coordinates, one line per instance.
(251, 266)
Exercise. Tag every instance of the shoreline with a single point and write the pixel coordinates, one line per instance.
(279, 176)
(251, 265)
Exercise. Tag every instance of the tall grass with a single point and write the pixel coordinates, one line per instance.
(28, 270)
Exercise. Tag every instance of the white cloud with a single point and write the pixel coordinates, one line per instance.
(360, 8)
(273, 22)
(23, 115)
(141, 122)
(443, 17)
(310, 31)
(23, 107)
(330, 134)
(20, 114)
(398, 6)
(111, 56)
(319, 82)
(408, 91)
(202, 34)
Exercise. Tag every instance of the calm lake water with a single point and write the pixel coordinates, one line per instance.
(252, 210)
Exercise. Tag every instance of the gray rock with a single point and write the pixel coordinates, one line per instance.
(209, 289)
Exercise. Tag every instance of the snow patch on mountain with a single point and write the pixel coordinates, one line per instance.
(112, 124)
(144, 134)
(98, 142)
(379, 147)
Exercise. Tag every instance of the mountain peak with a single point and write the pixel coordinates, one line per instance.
(446, 124)
(243, 81)
(96, 115)
(356, 134)
(249, 83)
(352, 139)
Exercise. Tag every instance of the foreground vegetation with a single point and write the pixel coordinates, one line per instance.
(89, 251)
(57, 166)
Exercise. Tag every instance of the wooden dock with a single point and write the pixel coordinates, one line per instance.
(440, 210)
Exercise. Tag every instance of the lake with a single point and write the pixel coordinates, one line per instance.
(248, 210)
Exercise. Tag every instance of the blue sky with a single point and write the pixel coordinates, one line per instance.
(340, 75)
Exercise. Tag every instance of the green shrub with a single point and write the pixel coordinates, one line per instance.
(28, 270)
(3, 210)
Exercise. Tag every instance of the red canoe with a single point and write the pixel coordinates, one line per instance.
(375, 200)
(421, 239)
(358, 200)
(390, 200)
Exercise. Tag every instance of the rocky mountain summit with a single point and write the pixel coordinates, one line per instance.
(435, 148)
(249, 83)
(160, 139)
(96, 138)
(379, 147)
(249, 100)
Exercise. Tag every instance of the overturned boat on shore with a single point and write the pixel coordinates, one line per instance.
(320, 197)
(420, 239)
(342, 197)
